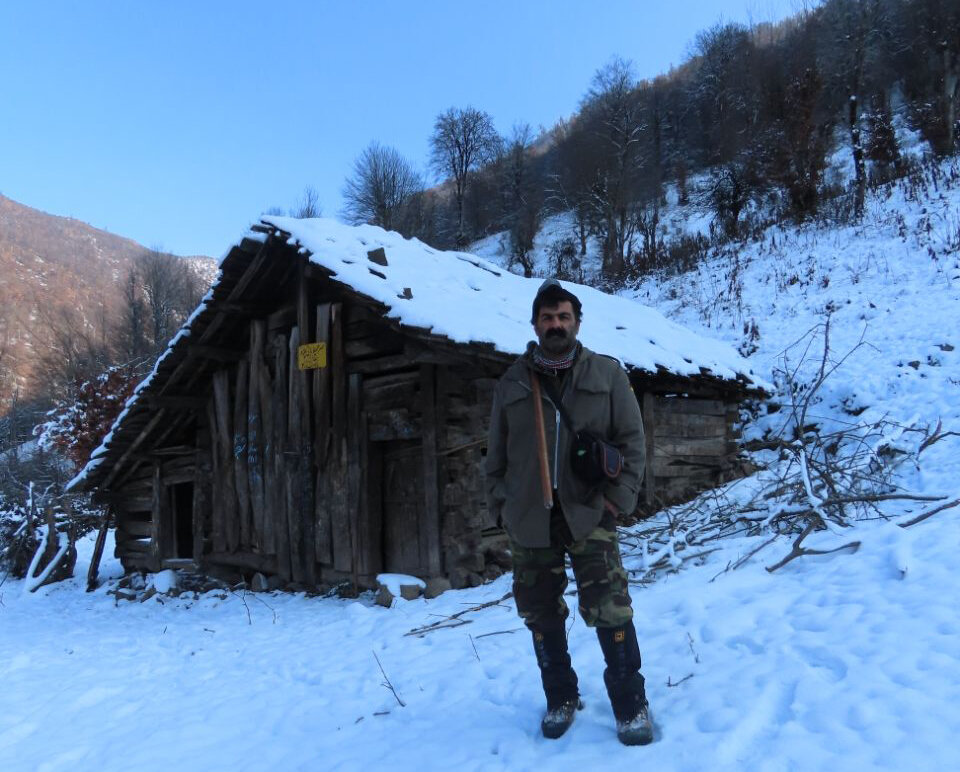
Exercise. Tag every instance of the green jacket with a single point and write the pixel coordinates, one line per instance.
(598, 397)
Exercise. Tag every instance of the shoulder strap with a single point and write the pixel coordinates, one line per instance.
(541, 440)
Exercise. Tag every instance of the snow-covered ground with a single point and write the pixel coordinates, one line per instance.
(833, 662)
(842, 662)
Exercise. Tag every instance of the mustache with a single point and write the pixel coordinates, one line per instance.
(556, 332)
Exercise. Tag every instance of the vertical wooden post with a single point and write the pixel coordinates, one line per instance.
(98, 550)
(201, 499)
(255, 434)
(156, 519)
(322, 445)
(268, 464)
(338, 375)
(277, 490)
(302, 381)
(216, 483)
(355, 477)
(430, 520)
(649, 434)
(337, 463)
(227, 490)
(240, 453)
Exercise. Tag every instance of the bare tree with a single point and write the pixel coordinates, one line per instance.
(131, 333)
(69, 350)
(462, 139)
(308, 206)
(379, 188)
(571, 180)
(159, 293)
(928, 64)
(613, 112)
(522, 196)
(851, 54)
(171, 291)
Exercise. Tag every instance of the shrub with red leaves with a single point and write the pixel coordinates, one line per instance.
(76, 428)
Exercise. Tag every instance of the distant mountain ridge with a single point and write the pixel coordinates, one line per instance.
(49, 264)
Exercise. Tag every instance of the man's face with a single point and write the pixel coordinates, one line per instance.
(556, 328)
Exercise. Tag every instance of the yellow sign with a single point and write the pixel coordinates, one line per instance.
(310, 356)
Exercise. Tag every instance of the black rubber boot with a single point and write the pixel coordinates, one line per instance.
(625, 684)
(559, 680)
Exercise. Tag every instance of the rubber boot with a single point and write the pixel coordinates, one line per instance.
(625, 684)
(559, 680)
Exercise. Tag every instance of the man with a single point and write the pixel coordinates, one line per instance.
(581, 520)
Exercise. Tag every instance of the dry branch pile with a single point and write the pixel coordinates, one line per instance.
(810, 479)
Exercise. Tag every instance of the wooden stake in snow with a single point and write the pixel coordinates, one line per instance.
(98, 550)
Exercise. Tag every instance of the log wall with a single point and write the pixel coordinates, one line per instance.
(372, 463)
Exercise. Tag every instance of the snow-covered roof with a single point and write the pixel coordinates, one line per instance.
(458, 296)
(470, 300)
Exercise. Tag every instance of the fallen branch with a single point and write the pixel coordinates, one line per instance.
(747, 557)
(799, 551)
(865, 498)
(935, 437)
(455, 618)
(931, 513)
(386, 682)
(485, 635)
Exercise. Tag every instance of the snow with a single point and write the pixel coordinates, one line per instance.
(393, 582)
(469, 299)
(837, 662)
(846, 660)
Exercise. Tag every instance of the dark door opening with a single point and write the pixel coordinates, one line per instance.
(402, 502)
(182, 500)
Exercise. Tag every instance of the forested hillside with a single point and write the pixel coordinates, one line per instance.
(758, 110)
(75, 300)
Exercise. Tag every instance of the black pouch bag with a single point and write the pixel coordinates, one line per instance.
(592, 458)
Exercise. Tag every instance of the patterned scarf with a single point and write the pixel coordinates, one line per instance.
(564, 363)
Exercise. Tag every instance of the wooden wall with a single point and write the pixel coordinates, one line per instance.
(373, 463)
(692, 445)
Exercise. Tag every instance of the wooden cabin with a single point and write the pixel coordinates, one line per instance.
(322, 416)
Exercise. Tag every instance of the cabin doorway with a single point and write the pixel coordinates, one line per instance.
(402, 497)
(181, 495)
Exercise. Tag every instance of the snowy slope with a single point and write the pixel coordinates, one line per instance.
(833, 662)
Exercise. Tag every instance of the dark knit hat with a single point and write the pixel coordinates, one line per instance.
(552, 293)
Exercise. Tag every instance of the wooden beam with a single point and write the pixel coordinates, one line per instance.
(215, 353)
(201, 501)
(240, 451)
(131, 449)
(323, 545)
(265, 564)
(354, 470)
(229, 508)
(158, 513)
(276, 487)
(430, 521)
(282, 317)
(649, 435)
(256, 433)
(293, 463)
(175, 402)
(391, 362)
(248, 310)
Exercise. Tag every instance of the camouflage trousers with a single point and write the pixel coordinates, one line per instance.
(540, 577)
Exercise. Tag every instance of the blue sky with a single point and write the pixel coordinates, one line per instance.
(177, 123)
